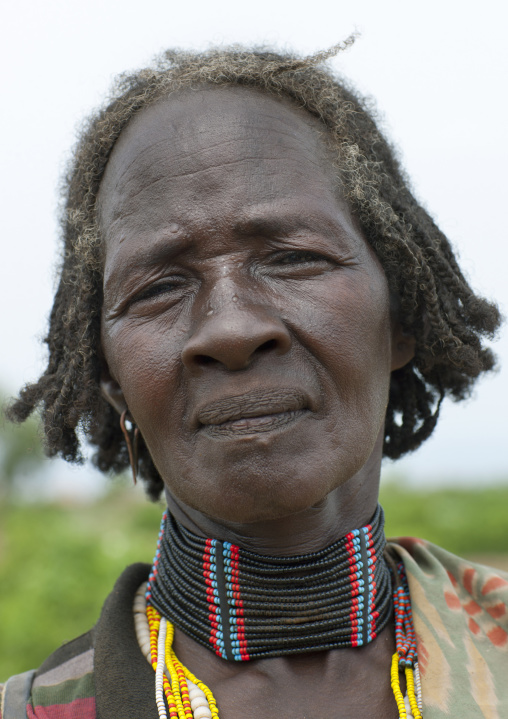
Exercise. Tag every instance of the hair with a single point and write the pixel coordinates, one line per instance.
(435, 303)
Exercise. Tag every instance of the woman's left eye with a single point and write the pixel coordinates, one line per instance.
(299, 262)
(299, 257)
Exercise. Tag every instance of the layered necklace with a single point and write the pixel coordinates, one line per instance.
(245, 606)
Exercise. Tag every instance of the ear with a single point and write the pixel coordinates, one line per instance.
(111, 390)
(403, 347)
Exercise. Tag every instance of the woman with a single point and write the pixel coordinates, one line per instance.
(252, 310)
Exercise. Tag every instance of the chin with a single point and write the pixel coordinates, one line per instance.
(237, 488)
(250, 501)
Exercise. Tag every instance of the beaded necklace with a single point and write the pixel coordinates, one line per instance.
(245, 606)
(186, 696)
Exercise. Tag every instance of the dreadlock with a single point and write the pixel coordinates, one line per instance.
(435, 303)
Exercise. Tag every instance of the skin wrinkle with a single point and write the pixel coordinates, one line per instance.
(148, 185)
(238, 126)
(215, 262)
(244, 160)
(173, 249)
(319, 148)
(188, 155)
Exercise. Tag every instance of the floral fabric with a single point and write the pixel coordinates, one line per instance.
(460, 612)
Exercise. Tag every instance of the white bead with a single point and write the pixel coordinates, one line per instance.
(202, 713)
(418, 686)
(141, 591)
(159, 673)
(198, 702)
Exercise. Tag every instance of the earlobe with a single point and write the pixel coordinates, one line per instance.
(403, 347)
(112, 392)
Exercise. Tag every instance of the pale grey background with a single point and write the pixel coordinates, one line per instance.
(436, 69)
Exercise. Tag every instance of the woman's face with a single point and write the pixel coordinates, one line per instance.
(246, 320)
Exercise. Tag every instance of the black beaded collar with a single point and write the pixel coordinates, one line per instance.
(244, 605)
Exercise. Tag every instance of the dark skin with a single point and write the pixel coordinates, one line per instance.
(247, 328)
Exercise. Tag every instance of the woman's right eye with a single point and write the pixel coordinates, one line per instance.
(165, 287)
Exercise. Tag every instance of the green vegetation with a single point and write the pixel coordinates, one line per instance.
(58, 563)
(467, 522)
(21, 453)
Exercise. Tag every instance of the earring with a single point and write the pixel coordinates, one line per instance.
(132, 445)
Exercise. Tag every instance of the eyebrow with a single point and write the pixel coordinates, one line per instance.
(164, 249)
(265, 226)
(284, 224)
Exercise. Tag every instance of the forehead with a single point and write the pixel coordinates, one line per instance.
(193, 127)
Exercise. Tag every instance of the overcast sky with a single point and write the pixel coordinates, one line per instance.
(438, 73)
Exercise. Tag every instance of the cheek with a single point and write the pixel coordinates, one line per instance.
(144, 361)
(349, 337)
(346, 326)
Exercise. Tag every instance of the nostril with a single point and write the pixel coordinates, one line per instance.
(235, 341)
(204, 360)
(267, 346)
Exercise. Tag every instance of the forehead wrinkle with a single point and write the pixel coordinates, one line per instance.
(113, 206)
(191, 173)
(174, 140)
(271, 126)
(236, 113)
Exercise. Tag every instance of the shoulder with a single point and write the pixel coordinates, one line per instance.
(65, 679)
(66, 685)
(456, 583)
(460, 612)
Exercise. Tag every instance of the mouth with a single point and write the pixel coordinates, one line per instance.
(253, 412)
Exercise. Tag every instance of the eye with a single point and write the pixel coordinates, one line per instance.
(296, 257)
(158, 290)
(299, 263)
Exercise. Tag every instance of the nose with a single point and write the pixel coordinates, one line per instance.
(235, 338)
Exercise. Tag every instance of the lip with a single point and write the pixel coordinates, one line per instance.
(255, 411)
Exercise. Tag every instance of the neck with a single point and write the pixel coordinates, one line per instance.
(346, 507)
(246, 605)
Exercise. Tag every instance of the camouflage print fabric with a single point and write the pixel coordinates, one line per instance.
(460, 612)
